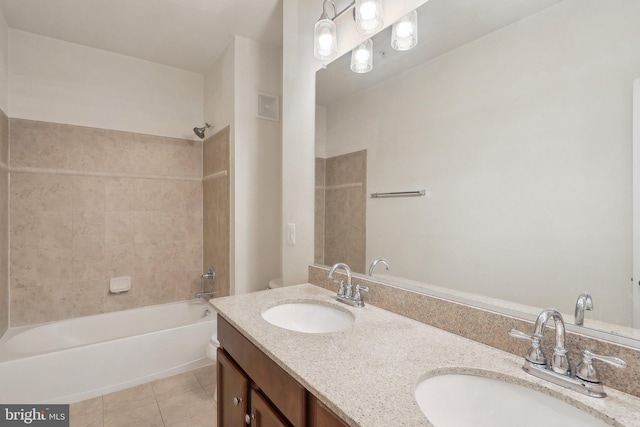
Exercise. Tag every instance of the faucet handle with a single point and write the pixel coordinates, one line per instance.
(586, 371)
(357, 296)
(341, 291)
(534, 355)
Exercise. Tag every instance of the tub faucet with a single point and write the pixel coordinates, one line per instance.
(584, 302)
(209, 294)
(376, 262)
(342, 292)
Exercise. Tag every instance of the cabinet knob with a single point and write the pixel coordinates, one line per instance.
(237, 401)
(248, 418)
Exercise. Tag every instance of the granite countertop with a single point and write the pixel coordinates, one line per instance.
(367, 373)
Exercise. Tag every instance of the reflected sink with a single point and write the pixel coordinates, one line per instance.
(309, 317)
(467, 400)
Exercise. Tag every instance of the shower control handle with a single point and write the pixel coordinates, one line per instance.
(209, 275)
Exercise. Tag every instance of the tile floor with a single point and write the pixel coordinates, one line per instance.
(185, 400)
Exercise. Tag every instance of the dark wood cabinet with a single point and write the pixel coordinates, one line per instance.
(254, 390)
(321, 416)
(262, 414)
(233, 387)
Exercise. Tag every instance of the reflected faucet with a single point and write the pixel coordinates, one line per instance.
(376, 262)
(584, 302)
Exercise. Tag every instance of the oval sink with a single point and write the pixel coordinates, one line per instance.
(311, 318)
(469, 400)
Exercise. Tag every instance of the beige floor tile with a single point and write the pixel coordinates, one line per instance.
(184, 406)
(206, 375)
(143, 416)
(177, 384)
(212, 391)
(86, 407)
(86, 420)
(129, 398)
(208, 419)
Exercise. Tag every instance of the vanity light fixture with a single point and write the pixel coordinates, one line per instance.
(368, 16)
(362, 57)
(404, 33)
(325, 36)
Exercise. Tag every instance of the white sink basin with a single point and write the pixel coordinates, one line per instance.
(309, 317)
(467, 400)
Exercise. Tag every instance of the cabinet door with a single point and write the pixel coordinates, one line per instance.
(321, 416)
(233, 388)
(263, 414)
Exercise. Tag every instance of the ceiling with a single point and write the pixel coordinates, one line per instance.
(443, 25)
(187, 34)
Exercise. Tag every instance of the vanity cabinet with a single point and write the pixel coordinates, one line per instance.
(254, 390)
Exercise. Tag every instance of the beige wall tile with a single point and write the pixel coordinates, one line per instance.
(344, 212)
(160, 195)
(41, 192)
(119, 228)
(4, 138)
(184, 157)
(153, 227)
(89, 194)
(120, 195)
(4, 224)
(72, 233)
(46, 303)
(216, 152)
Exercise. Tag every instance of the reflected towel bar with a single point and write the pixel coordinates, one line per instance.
(399, 194)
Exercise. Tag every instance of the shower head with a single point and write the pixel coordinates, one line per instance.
(200, 131)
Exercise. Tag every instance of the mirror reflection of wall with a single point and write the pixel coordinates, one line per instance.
(522, 139)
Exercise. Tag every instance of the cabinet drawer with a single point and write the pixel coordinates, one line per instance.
(278, 386)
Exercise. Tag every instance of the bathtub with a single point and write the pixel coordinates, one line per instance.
(77, 359)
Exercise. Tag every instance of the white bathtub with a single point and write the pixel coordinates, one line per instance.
(77, 359)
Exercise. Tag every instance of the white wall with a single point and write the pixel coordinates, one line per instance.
(298, 111)
(549, 108)
(257, 154)
(56, 81)
(231, 87)
(219, 83)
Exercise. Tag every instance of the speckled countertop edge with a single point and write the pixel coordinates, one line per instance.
(367, 373)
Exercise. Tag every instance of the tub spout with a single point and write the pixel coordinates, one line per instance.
(208, 294)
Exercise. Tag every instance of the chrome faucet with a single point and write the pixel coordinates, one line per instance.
(584, 302)
(558, 371)
(376, 262)
(211, 277)
(342, 292)
(209, 294)
(346, 294)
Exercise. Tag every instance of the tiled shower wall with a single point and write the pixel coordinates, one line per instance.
(87, 205)
(217, 209)
(4, 222)
(342, 210)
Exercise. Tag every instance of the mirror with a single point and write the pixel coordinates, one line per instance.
(515, 117)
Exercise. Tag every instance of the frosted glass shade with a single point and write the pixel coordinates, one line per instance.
(325, 39)
(404, 34)
(362, 57)
(368, 14)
